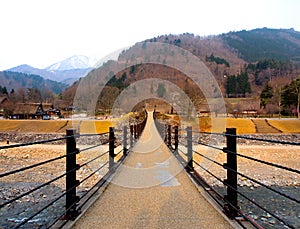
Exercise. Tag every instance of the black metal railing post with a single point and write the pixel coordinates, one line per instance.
(135, 131)
(71, 182)
(111, 148)
(231, 165)
(169, 137)
(131, 136)
(125, 141)
(176, 140)
(138, 130)
(165, 130)
(190, 166)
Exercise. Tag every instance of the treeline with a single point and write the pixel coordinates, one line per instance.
(283, 100)
(264, 43)
(266, 69)
(237, 85)
(3, 90)
(24, 95)
(217, 60)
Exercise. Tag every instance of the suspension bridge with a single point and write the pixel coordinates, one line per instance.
(149, 180)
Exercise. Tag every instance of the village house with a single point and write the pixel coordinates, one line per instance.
(43, 111)
(248, 108)
(3, 103)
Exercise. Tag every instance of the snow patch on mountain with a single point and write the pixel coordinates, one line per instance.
(74, 62)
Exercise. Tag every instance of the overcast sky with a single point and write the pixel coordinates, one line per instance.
(40, 33)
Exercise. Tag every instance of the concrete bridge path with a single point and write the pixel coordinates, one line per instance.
(151, 190)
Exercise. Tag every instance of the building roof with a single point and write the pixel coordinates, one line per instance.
(31, 108)
(3, 99)
(249, 104)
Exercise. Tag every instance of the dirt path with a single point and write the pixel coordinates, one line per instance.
(262, 126)
(151, 190)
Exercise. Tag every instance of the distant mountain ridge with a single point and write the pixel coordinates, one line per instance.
(66, 71)
(225, 54)
(16, 80)
(259, 44)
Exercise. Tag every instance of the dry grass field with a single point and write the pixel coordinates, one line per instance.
(55, 126)
(219, 125)
(206, 124)
(247, 126)
(286, 126)
(96, 126)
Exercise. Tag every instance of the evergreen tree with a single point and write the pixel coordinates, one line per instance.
(266, 94)
(243, 85)
(231, 86)
(161, 90)
(291, 96)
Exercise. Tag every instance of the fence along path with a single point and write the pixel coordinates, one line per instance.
(151, 190)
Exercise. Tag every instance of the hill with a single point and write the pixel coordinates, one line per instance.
(267, 55)
(16, 80)
(259, 44)
(249, 59)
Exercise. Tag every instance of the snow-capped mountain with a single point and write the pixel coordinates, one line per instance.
(66, 71)
(73, 62)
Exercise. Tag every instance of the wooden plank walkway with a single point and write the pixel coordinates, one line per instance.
(151, 190)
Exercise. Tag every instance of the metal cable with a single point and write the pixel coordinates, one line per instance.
(35, 165)
(92, 135)
(249, 178)
(266, 186)
(210, 146)
(263, 140)
(217, 163)
(182, 151)
(47, 206)
(88, 162)
(36, 143)
(36, 188)
(80, 198)
(264, 209)
(263, 162)
(92, 147)
(119, 152)
(250, 138)
(86, 178)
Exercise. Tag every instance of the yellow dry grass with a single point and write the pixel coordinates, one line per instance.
(55, 126)
(286, 126)
(242, 125)
(38, 126)
(96, 126)
(219, 125)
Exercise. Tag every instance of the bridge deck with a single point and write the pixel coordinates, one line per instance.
(151, 190)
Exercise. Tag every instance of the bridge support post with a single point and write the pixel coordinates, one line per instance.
(71, 182)
(231, 208)
(169, 136)
(190, 166)
(131, 136)
(125, 141)
(165, 131)
(111, 148)
(135, 131)
(176, 140)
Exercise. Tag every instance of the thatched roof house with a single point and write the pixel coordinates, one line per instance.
(34, 111)
(248, 107)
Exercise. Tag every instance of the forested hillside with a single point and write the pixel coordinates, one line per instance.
(243, 63)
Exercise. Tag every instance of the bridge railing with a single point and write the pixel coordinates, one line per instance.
(189, 157)
(109, 152)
